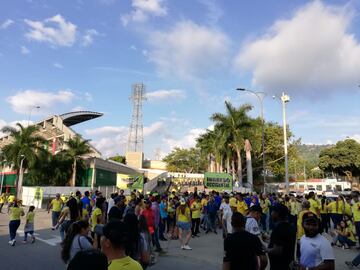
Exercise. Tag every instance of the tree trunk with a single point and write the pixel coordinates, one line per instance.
(239, 167)
(228, 165)
(221, 166)
(249, 171)
(73, 178)
(233, 170)
(19, 184)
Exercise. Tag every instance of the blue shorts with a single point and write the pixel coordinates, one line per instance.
(185, 226)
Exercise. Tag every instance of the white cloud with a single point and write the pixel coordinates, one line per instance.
(6, 24)
(78, 108)
(143, 9)
(154, 128)
(133, 47)
(3, 123)
(199, 50)
(58, 65)
(158, 95)
(23, 101)
(88, 96)
(24, 50)
(145, 52)
(88, 37)
(107, 131)
(214, 12)
(313, 51)
(55, 30)
(187, 141)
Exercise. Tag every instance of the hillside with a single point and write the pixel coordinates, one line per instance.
(310, 152)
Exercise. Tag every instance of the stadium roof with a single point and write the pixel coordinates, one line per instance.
(73, 118)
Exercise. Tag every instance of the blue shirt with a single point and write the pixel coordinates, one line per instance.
(163, 213)
(86, 203)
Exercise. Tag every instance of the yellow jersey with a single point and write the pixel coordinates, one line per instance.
(94, 217)
(183, 217)
(11, 199)
(125, 263)
(195, 210)
(56, 205)
(30, 217)
(314, 206)
(265, 204)
(300, 229)
(332, 207)
(15, 213)
(232, 202)
(2, 199)
(242, 208)
(356, 211)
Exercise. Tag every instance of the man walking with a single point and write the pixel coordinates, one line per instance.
(55, 207)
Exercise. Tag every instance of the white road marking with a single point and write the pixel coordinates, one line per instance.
(52, 241)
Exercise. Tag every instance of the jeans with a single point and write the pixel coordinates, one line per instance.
(13, 226)
(357, 227)
(162, 225)
(325, 220)
(211, 221)
(155, 238)
(336, 218)
(344, 240)
(195, 226)
(54, 217)
(26, 233)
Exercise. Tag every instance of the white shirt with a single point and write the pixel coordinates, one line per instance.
(111, 203)
(315, 250)
(227, 214)
(252, 226)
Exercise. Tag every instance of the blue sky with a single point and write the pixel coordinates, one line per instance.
(191, 55)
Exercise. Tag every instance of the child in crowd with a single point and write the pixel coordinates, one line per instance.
(29, 225)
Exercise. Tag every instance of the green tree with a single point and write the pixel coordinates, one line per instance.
(24, 150)
(342, 159)
(185, 160)
(76, 149)
(118, 158)
(236, 125)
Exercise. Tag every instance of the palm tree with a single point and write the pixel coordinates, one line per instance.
(23, 151)
(236, 123)
(76, 148)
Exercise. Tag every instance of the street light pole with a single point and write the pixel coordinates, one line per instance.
(284, 100)
(260, 96)
(2, 176)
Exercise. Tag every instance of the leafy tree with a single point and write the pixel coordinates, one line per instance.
(118, 158)
(25, 148)
(76, 148)
(342, 159)
(185, 160)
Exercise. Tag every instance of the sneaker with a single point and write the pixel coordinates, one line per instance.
(33, 240)
(53, 228)
(186, 247)
(13, 242)
(10, 242)
(182, 247)
(163, 239)
(215, 231)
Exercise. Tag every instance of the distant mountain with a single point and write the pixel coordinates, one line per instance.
(310, 152)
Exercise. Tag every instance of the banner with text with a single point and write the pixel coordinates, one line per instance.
(218, 181)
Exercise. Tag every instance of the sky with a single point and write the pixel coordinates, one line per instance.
(191, 55)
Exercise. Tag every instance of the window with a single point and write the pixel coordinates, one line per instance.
(301, 186)
(319, 187)
(338, 188)
(328, 188)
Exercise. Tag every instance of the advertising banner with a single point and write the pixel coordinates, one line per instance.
(126, 181)
(218, 181)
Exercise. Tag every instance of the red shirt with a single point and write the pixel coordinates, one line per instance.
(149, 216)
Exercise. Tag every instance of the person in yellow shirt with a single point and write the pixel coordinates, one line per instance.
(29, 225)
(356, 214)
(2, 201)
(325, 216)
(314, 205)
(11, 199)
(114, 241)
(265, 217)
(336, 209)
(183, 222)
(55, 206)
(195, 216)
(241, 206)
(15, 213)
(305, 209)
(346, 236)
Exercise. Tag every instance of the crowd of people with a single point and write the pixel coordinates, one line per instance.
(283, 231)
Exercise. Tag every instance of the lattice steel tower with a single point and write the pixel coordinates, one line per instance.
(136, 139)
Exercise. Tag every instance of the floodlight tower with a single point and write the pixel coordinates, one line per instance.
(136, 139)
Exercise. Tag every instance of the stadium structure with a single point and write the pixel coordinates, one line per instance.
(56, 130)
